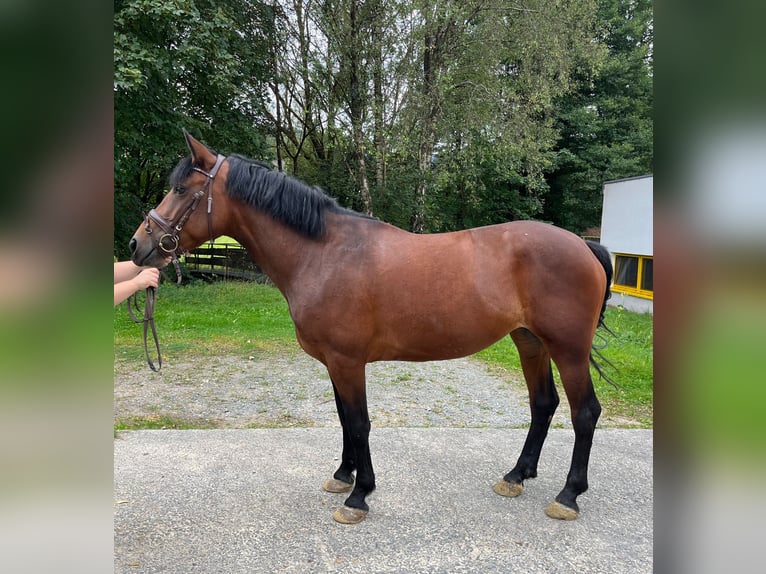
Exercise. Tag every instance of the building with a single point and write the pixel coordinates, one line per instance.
(626, 231)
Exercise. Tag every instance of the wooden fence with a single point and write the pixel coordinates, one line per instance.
(223, 261)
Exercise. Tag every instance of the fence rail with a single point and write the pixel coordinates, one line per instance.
(224, 261)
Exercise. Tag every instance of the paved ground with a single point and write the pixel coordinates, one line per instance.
(248, 501)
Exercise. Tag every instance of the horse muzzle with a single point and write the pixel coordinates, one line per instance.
(144, 253)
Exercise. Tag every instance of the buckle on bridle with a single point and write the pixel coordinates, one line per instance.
(147, 224)
(173, 248)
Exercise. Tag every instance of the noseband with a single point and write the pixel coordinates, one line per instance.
(170, 242)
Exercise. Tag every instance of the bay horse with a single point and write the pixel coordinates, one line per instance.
(360, 290)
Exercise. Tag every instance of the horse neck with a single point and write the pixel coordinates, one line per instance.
(278, 250)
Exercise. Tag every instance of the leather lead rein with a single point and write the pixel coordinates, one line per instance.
(148, 321)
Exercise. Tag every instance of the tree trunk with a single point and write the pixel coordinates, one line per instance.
(377, 87)
(274, 85)
(356, 108)
(431, 65)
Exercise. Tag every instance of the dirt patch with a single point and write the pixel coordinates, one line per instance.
(292, 389)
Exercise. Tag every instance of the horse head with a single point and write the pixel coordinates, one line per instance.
(178, 223)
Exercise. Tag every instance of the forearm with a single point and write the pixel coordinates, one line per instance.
(123, 290)
(124, 270)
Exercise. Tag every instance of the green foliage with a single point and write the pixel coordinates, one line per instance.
(395, 201)
(465, 112)
(482, 183)
(484, 102)
(605, 125)
(191, 64)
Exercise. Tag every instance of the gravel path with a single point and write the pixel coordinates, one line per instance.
(291, 389)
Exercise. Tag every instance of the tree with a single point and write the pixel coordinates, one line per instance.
(605, 125)
(296, 114)
(191, 64)
(432, 114)
(491, 72)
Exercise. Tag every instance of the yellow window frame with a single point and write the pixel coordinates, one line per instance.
(627, 289)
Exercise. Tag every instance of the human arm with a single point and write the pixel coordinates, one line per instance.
(124, 270)
(129, 278)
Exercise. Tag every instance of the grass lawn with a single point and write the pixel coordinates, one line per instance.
(631, 353)
(236, 317)
(216, 318)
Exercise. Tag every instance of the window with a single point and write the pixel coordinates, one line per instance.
(634, 275)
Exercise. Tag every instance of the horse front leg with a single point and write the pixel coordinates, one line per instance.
(351, 399)
(343, 479)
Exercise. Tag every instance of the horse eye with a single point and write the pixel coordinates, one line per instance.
(179, 189)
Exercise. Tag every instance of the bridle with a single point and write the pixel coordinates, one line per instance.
(170, 243)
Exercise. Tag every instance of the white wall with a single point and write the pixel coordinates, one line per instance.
(627, 226)
(627, 216)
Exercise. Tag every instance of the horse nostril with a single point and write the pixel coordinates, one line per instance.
(132, 245)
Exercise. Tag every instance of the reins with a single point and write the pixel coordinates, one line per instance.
(148, 321)
(170, 243)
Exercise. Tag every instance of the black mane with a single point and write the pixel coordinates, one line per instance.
(288, 200)
(285, 198)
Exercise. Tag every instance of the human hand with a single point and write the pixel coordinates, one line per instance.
(147, 278)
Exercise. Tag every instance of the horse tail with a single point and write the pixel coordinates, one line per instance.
(603, 256)
(605, 259)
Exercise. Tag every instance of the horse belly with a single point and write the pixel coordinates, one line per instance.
(433, 347)
(438, 332)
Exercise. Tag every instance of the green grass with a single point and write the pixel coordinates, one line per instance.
(631, 353)
(247, 318)
(161, 422)
(211, 319)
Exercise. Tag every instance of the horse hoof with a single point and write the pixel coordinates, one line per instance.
(336, 486)
(348, 515)
(559, 511)
(510, 489)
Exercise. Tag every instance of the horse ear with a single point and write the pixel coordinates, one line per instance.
(201, 156)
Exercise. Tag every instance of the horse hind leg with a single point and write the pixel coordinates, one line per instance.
(585, 411)
(543, 401)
